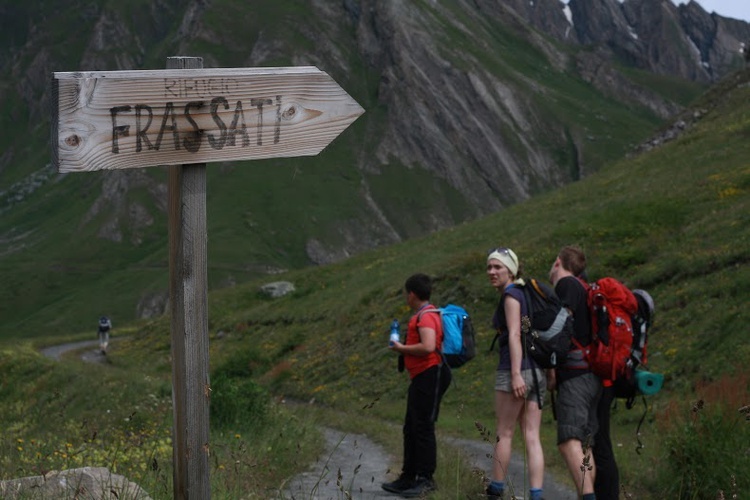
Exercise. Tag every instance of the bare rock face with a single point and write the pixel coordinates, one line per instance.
(658, 36)
(450, 118)
(124, 218)
(94, 483)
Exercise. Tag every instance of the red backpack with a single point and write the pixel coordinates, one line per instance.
(612, 307)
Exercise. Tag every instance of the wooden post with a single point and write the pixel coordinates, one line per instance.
(189, 314)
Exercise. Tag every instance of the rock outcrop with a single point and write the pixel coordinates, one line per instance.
(683, 40)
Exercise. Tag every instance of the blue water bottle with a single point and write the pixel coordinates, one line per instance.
(395, 332)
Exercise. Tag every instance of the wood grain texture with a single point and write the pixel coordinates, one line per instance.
(133, 119)
(188, 289)
(189, 324)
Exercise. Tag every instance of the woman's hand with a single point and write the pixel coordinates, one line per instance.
(519, 386)
(551, 379)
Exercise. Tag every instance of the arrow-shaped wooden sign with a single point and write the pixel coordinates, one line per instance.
(187, 116)
(132, 119)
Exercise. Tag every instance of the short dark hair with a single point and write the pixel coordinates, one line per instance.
(573, 259)
(420, 284)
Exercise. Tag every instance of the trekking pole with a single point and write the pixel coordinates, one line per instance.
(638, 429)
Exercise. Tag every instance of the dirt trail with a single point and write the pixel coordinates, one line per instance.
(90, 355)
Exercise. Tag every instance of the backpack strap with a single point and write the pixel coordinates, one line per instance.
(499, 306)
(438, 311)
(536, 386)
(530, 311)
(443, 361)
(577, 346)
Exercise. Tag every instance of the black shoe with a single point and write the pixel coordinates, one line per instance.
(404, 482)
(422, 485)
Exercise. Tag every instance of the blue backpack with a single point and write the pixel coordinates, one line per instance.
(459, 343)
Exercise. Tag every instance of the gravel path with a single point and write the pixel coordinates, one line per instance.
(354, 465)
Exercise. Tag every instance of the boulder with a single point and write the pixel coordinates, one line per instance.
(277, 289)
(90, 483)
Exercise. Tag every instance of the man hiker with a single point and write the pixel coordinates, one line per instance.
(105, 325)
(430, 378)
(578, 388)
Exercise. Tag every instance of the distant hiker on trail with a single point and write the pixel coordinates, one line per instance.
(430, 379)
(105, 325)
(578, 389)
(519, 383)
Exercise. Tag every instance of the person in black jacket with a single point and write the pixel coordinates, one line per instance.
(578, 389)
(105, 325)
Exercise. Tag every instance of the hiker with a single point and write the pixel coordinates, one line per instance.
(105, 325)
(607, 481)
(519, 384)
(430, 378)
(578, 389)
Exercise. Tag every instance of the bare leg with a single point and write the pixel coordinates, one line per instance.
(530, 424)
(573, 454)
(508, 408)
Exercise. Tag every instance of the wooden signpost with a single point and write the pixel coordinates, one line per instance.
(187, 116)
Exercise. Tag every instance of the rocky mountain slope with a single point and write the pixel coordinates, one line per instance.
(471, 106)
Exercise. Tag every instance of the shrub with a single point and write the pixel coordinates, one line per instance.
(237, 402)
(708, 444)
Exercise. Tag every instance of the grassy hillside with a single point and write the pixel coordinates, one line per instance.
(60, 273)
(673, 221)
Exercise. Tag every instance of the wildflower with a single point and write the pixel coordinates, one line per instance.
(586, 463)
(698, 406)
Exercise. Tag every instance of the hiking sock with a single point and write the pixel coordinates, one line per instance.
(589, 496)
(498, 486)
(535, 494)
(495, 489)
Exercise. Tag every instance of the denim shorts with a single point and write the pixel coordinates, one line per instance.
(504, 383)
(577, 399)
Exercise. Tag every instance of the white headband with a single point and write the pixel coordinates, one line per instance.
(507, 258)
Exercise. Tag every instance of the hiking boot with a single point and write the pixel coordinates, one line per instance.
(421, 486)
(404, 482)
